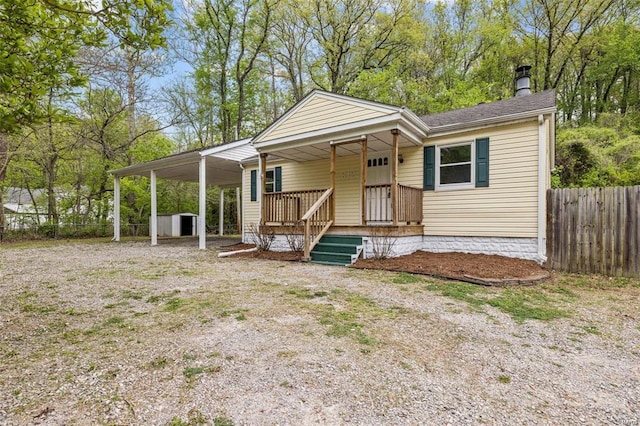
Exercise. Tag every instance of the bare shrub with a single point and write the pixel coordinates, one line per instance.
(295, 237)
(261, 239)
(382, 242)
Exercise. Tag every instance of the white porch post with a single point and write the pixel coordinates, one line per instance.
(116, 208)
(154, 211)
(239, 209)
(221, 214)
(202, 216)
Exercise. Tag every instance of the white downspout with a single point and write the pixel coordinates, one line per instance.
(154, 210)
(542, 188)
(116, 208)
(241, 201)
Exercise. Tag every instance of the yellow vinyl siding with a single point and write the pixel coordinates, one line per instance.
(320, 113)
(348, 190)
(508, 207)
(410, 171)
(250, 209)
(305, 175)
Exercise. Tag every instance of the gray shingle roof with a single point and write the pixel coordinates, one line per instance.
(504, 108)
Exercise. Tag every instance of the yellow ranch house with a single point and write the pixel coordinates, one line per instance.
(347, 175)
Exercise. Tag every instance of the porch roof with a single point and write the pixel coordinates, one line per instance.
(307, 131)
(222, 164)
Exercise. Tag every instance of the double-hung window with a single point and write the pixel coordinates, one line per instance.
(272, 183)
(454, 166)
(459, 165)
(269, 181)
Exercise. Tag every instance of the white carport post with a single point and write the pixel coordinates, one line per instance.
(221, 214)
(154, 211)
(116, 208)
(202, 222)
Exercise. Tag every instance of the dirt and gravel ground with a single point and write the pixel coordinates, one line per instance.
(124, 333)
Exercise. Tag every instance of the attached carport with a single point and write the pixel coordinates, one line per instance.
(219, 165)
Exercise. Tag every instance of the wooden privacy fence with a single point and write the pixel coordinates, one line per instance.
(594, 230)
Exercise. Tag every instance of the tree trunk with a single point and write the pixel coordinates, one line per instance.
(131, 93)
(4, 162)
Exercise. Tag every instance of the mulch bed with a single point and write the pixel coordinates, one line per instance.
(476, 268)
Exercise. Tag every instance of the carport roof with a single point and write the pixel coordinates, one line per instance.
(222, 164)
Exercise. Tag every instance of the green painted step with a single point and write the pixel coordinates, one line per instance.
(341, 239)
(337, 250)
(342, 258)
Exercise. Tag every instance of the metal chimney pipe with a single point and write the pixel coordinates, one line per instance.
(523, 80)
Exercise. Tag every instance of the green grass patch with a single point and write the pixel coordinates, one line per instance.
(406, 278)
(504, 379)
(238, 314)
(114, 321)
(345, 313)
(162, 297)
(222, 421)
(591, 329)
(305, 293)
(343, 324)
(464, 292)
(130, 294)
(520, 303)
(523, 305)
(174, 304)
(599, 282)
(158, 363)
(38, 309)
(191, 372)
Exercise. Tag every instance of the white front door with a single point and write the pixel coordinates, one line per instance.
(378, 193)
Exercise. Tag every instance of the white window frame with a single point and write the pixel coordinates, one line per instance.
(456, 186)
(273, 180)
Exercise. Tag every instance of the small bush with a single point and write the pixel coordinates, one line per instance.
(382, 242)
(261, 239)
(295, 237)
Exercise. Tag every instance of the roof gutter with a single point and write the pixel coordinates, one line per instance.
(172, 161)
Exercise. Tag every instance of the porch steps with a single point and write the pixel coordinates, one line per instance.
(337, 250)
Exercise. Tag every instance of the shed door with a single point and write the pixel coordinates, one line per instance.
(186, 225)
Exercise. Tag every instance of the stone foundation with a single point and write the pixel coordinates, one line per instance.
(522, 248)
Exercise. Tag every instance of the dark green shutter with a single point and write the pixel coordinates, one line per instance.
(254, 185)
(278, 179)
(482, 162)
(429, 177)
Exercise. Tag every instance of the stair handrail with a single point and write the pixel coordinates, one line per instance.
(309, 240)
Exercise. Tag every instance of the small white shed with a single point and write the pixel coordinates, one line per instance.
(177, 225)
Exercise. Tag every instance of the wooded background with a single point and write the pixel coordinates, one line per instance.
(85, 89)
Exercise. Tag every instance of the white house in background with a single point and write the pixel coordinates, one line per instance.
(20, 209)
(345, 172)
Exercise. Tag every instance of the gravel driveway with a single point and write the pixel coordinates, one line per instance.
(124, 333)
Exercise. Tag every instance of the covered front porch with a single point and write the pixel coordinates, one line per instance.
(366, 196)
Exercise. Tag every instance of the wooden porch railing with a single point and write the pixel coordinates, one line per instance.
(409, 204)
(287, 208)
(316, 221)
(380, 209)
